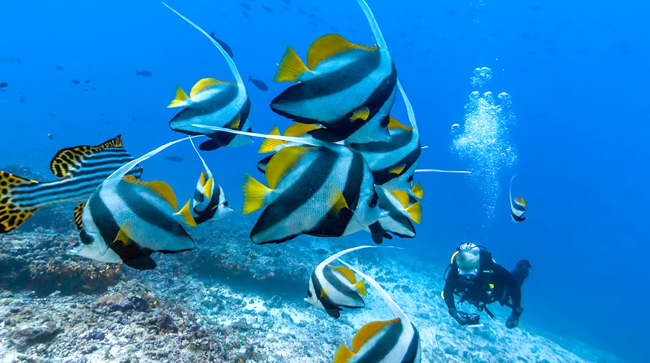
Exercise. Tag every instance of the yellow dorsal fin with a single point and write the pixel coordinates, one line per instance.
(361, 287)
(235, 123)
(269, 145)
(346, 272)
(522, 201)
(415, 212)
(180, 98)
(323, 293)
(208, 188)
(402, 197)
(368, 331)
(395, 125)
(337, 201)
(281, 162)
(328, 46)
(343, 354)
(299, 129)
(418, 191)
(397, 169)
(204, 84)
(78, 214)
(202, 179)
(360, 114)
(159, 187)
(123, 234)
(68, 161)
(291, 67)
(254, 194)
(187, 214)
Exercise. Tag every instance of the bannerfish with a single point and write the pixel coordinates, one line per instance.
(144, 73)
(80, 169)
(174, 158)
(75, 81)
(402, 209)
(213, 103)
(347, 88)
(322, 191)
(4, 85)
(209, 201)
(334, 287)
(275, 145)
(259, 84)
(223, 45)
(517, 206)
(395, 340)
(126, 220)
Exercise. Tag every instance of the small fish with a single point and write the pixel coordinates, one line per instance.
(126, 220)
(246, 6)
(21, 98)
(75, 81)
(259, 84)
(58, 68)
(517, 206)
(288, 2)
(4, 85)
(334, 287)
(245, 14)
(395, 340)
(324, 191)
(51, 114)
(134, 119)
(223, 45)
(344, 86)
(80, 169)
(50, 136)
(402, 209)
(87, 81)
(209, 201)
(213, 103)
(9, 59)
(144, 73)
(176, 159)
(268, 9)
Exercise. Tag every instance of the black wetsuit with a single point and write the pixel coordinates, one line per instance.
(493, 283)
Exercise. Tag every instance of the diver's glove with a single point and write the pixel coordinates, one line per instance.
(464, 318)
(513, 319)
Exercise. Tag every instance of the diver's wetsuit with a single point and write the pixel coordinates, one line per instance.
(493, 283)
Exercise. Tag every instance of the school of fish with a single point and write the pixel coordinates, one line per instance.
(343, 167)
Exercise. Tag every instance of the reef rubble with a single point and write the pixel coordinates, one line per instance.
(228, 300)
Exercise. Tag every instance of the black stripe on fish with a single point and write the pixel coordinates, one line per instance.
(383, 156)
(341, 288)
(392, 334)
(314, 176)
(517, 218)
(103, 218)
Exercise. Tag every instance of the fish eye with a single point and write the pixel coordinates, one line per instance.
(384, 121)
(225, 204)
(308, 293)
(373, 200)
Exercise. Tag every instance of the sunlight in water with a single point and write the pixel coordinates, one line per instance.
(484, 138)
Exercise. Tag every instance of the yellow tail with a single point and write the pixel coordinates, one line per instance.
(254, 194)
(12, 215)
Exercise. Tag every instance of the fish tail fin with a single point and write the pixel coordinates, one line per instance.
(231, 63)
(185, 215)
(343, 354)
(254, 194)
(12, 214)
(291, 67)
(418, 191)
(269, 145)
(361, 287)
(381, 42)
(181, 98)
(415, 212)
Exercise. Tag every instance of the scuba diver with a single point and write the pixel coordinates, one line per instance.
(476, 278)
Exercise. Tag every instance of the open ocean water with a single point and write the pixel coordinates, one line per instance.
(552, 92)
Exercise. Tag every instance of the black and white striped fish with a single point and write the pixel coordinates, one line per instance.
(402, 209)
(209, 201)
(322, 191)
(126, 220)
(347, 88)
(80, 169)
(396, 340)
(213, 103)
(334, 287)
(517, 205)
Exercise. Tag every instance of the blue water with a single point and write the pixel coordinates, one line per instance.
(576, 74)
